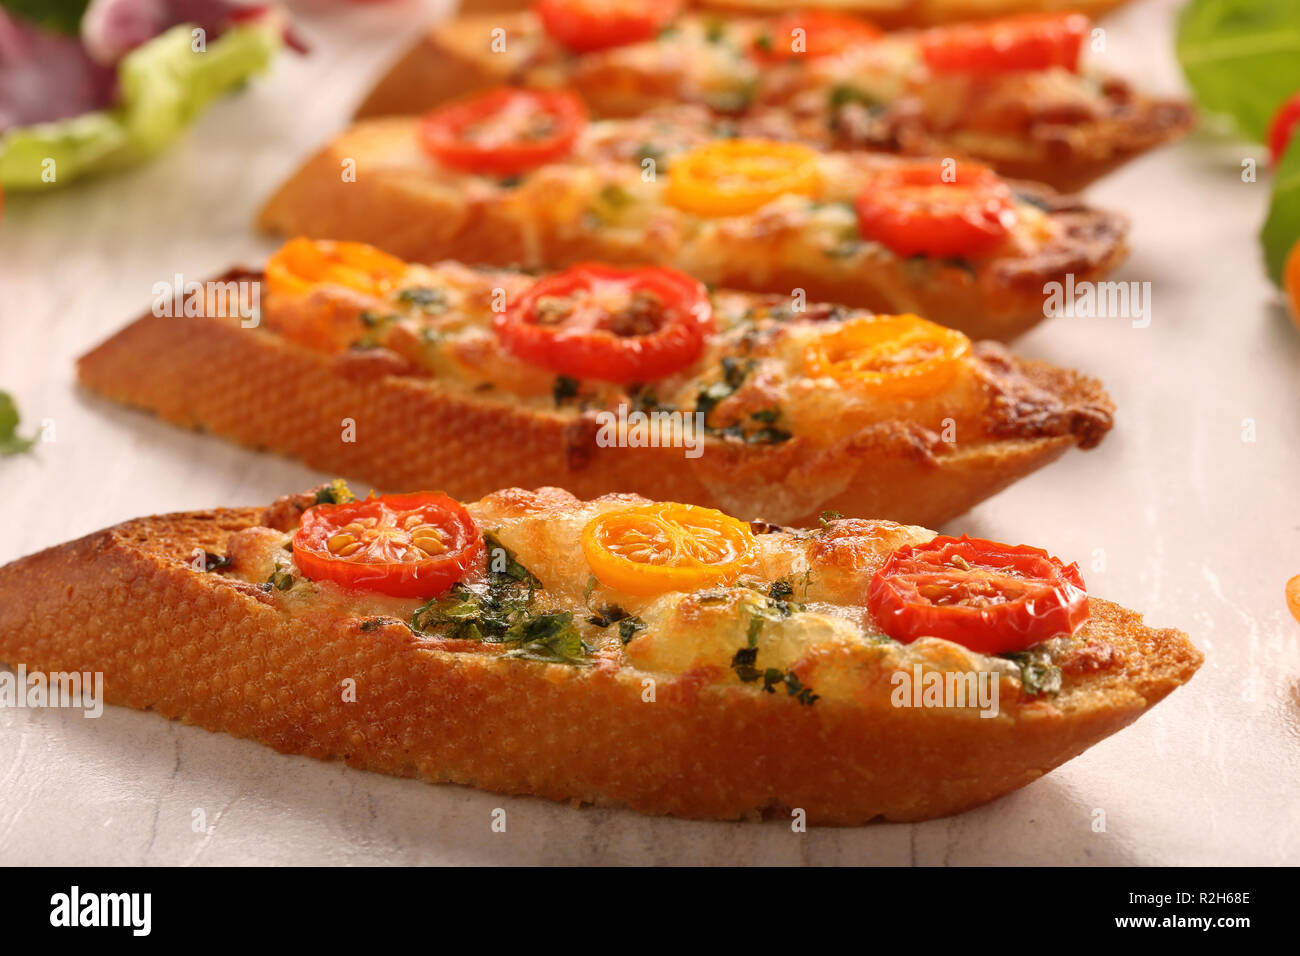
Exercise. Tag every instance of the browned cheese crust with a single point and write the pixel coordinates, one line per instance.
(1038, 133)
(268, 393)
(219, 654)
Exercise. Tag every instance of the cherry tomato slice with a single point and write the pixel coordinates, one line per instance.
(913, 210)
(615, 325)
(737, 176)
(1282, 130)
(301, 265)
(896, 355)
(1033, 41)
(989, 597)
(650, 549)
(1291, 281)
(414, 545)
(504, 132)
(812, 34)
(587, 25)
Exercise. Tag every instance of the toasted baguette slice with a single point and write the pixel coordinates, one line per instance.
(923, 461)
(884, 13)
(663, 720)
(597, 205)
(1049, 126)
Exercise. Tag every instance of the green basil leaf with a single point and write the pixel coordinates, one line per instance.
(1241, 57)
(1282, 227)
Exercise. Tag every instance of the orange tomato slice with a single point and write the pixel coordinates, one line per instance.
(1291, 282)
(736, 176)
(651, 549)
(1293, 596)
(302, 264)
(897, 355)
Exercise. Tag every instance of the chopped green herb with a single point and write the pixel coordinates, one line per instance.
(431, 301)
(549, 638)
(649, 151)
(502, 613)
(215, 562)
(510, 569)
(1038, 674)
(607, 615)
(565, 388)
(744, 664)
(629, 627)
(336, 492)
(827, 517)
(280, 579)
(780, 590)
(373, 623)
(11, 443)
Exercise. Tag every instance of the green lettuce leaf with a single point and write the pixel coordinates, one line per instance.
(1241, 57)
(1282, 227)
(165, 85)
(60, 16)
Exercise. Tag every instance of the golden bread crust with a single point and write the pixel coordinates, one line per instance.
(217, 654)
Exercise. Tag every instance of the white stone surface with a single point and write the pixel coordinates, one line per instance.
(1199, 529)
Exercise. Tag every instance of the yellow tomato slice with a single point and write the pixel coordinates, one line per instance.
(736, 176)
(901, 355)
(650, 549)
(1291, 280)
(301, 264)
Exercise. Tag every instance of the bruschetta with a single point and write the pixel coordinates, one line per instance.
(600, 379)
(1009, 93)
(623, 651)
(520, 177)
(885, 13)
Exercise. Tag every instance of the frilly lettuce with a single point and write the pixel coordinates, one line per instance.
(164, 83)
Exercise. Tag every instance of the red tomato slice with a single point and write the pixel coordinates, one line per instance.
(615, 325)
(1034, 41)
(913, 211)
(1282, 129)
(824, 34)
(504, 132)
(586, 25)
(989, 597)
(415, 545)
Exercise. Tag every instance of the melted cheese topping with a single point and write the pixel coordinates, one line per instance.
(440, 322)
(825, 636)
(707, 60)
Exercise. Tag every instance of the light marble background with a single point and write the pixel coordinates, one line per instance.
(1199, 529)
